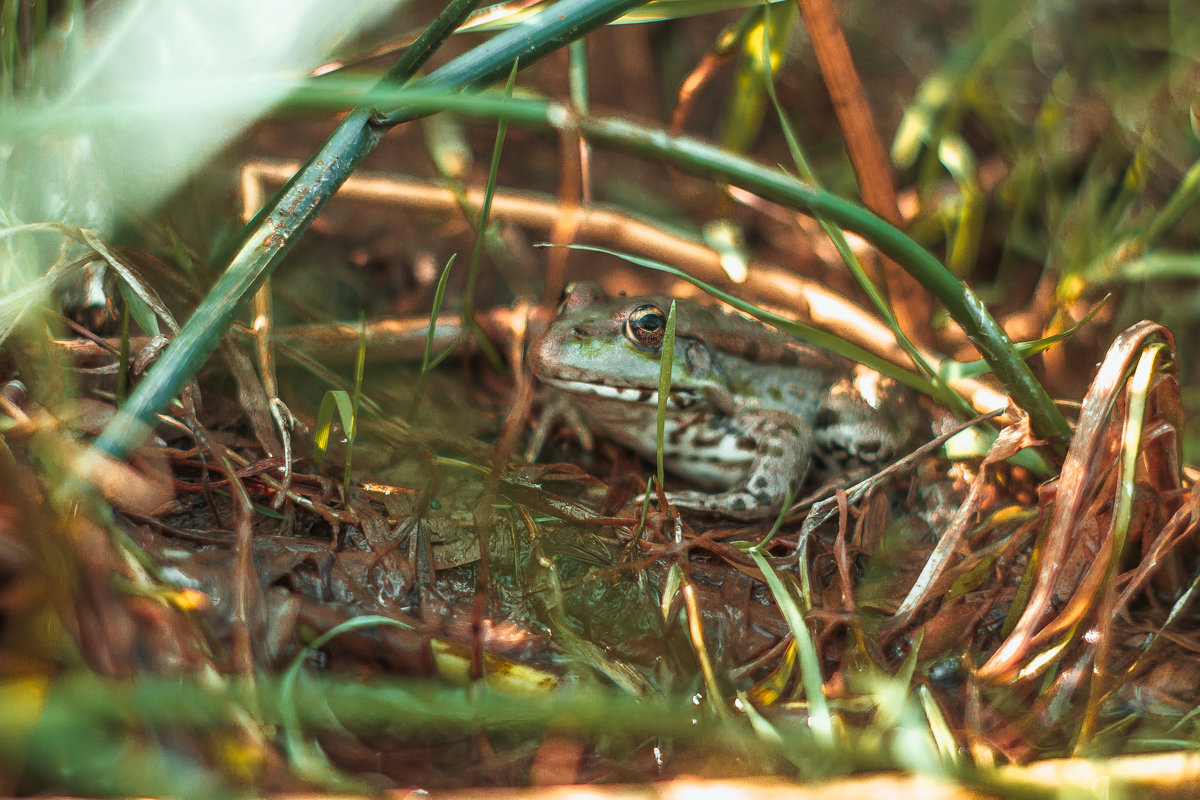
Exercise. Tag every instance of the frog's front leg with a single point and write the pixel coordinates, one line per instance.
(558, 409)
(779, 448)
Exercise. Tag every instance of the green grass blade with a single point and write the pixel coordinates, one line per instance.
(334, 400)
(1183, 198)
(665, 366)
(306, 756)
(428, 362)
(820, 718)
(763, 48)
(485, 214)
(143, 315)
(352, 430)
(951, 370)
(957, 157)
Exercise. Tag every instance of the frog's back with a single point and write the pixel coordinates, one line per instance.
(796, 387)
(751, 339)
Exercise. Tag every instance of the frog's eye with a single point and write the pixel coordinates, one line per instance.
(645, 327)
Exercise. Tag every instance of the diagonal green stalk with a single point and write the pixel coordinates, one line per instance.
(274, 230)
(430, 40)
(702, 158)
(558, 25)
(879, 302)
(707, 160)
(277, 227)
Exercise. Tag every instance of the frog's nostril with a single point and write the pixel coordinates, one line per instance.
(579, 333)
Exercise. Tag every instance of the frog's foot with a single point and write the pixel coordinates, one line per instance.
(558, 408)
(782, 447)
(864, 423)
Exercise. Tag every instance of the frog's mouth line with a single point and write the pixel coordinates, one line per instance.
(679, 398)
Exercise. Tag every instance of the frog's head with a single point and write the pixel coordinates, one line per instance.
(612, 347)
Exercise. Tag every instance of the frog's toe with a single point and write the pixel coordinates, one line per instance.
(558, 409)
(742, 503)
(837, 457)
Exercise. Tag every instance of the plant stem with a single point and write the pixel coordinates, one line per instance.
(702, 158)
(274, 230)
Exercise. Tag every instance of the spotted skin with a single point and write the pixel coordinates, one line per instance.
(779, 451)
(750, 410)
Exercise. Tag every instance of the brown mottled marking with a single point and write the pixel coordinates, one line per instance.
(702, 442)
(676, 436)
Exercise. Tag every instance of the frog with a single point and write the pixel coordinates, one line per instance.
(750, 408)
